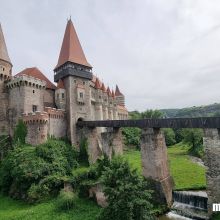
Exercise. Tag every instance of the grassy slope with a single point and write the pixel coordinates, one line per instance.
(11, 209)
(186, 174)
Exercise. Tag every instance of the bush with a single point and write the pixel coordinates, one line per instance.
(83, 151)
(132, 136)
(66, 200)
(128, 194)
(37, 192)
(26, 170)
(20, 132)
(169, 136)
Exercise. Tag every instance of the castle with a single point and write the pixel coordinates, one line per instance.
(49, 110)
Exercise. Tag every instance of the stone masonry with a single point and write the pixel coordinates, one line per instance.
(155, 162)
(211, 143)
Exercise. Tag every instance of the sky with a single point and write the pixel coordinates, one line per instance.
(162, 54)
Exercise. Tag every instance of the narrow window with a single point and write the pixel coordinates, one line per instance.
(34, 108)
(62, 95)
(81, 95)
(33, 91)
(57, 96)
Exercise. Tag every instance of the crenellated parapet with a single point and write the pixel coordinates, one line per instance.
(55, 113)
(25, 80)
(35, 118)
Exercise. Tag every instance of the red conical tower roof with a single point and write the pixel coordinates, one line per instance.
(97, 84)
(109, 92)
(71, 49)
(113, 94)
(117, 91)
(3, 49)
(103, 87)
(60, 84)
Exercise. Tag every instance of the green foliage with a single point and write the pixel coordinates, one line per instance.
(20, 132)
(151, 114)
(5, 146)
(193, 137)
(169, 136)
(66, 200)
(132, 136)
(83, 151)
(27, 170)
(127, 193)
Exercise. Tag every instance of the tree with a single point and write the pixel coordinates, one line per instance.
(151, 114)
(20, 132)
(193, 137)
(127, 193)
(169, 136)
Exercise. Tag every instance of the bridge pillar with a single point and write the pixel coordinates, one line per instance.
(155, 162)
(117, 141)
(94, 144)
(211, 142)
(112, 142)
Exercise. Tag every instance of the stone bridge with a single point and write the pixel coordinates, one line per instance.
(154, 151)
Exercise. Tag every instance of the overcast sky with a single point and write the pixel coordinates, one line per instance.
(162, 54)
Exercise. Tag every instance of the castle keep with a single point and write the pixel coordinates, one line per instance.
(53, 110)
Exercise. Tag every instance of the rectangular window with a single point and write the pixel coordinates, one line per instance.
(57, 96)
(34, 108)
(81, 95)
(62, 95)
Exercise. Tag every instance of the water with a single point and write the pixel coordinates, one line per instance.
(188, 205)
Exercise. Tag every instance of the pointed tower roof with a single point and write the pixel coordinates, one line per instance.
(117, 91)
(109, 92)
(36, 73)
(113, 94)
(97, 84)
(60, 84)
(71, 49)
(103, 87)
(3, 49)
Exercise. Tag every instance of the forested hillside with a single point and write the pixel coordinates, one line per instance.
(195, 111)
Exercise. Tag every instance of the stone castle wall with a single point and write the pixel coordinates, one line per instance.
(48, 98)
(5, 76)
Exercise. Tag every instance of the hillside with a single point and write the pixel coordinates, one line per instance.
(195, 111)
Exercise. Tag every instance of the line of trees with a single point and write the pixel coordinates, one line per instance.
(191, 137)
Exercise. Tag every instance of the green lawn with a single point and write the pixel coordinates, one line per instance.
(11, 209)
(186, 174)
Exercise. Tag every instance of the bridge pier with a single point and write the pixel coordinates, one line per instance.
(211, 142)
(155, 162)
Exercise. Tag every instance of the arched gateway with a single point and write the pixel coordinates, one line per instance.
(154, 151)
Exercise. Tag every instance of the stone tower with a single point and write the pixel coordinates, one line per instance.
(5, 75)
(120, 98)
(76, 73)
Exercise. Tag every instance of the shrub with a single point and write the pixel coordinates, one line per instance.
(132, 136)
(45, 166)
(169, 136)
(20, 132)
(83, 151)
(66, 200)
(37, 192)
(128, 194)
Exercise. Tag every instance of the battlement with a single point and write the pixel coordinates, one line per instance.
(25, 80)
(4, 77)
(54, 113)
(36, 118)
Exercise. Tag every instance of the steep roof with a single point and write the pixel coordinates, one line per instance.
(97, 84)
(71, 49)
(103, 87)
(36, 73)
(3, 49)
(109, 92)
(60, 84)
(117, 91)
